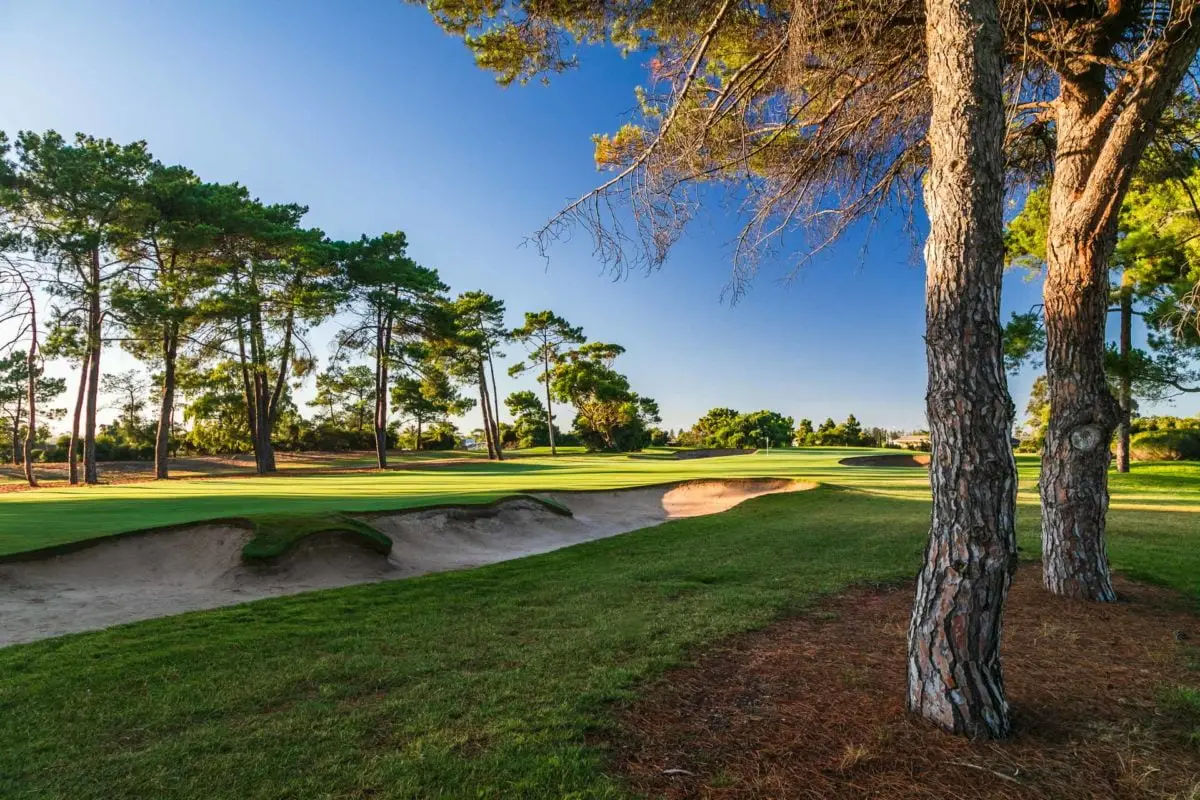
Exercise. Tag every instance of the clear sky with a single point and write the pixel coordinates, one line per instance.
(367, 113)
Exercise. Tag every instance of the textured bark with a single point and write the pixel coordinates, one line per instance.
(1102, 130)
(1083, 412)
(1125, 396)
(73, 448)
(954, 672)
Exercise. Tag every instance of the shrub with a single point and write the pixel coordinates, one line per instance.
(1166, 445)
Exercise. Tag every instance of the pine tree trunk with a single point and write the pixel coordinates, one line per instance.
(1083, 412)
(495, 395)
(31, 367)
(166, 407)
(549, 404)
(73, 448)
(1125, 400)
(90, 471)
(489, 432)
(15, 448)
(417, 441)
(954, 672)
(383, 348)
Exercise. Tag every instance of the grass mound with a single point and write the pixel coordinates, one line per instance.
(276, 534)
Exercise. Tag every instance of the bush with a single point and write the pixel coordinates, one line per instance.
(1166, 445)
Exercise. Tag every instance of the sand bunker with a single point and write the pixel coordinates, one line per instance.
(185, 569)
(898, 460)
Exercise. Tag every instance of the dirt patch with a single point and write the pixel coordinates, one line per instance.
(899, 460)
(130, 578)
(813, 708)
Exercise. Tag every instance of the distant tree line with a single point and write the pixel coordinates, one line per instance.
(216, 293)
(729, 428)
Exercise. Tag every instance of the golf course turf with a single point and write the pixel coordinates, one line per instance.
(492, 682)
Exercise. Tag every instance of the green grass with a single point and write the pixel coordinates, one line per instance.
(490, 682)
(275, 534)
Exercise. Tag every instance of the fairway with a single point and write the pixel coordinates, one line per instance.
(492, 682)
(34, 520)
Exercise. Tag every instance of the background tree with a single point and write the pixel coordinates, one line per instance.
(131, 391)
(544, 335)
(394, 303)
(430, 398)
(73, 198)
(277, 279)
(529, 417)
(610, 416)
(160, 299)
(19, 413)
(478, 325)
(347, 394)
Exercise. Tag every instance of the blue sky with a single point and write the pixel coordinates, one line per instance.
(370, 115)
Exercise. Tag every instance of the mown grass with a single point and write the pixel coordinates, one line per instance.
(44, 518)
(483, 683)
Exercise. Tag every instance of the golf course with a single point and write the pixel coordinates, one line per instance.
(515, 400)
(501, 681)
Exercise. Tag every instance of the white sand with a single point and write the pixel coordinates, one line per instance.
(197, 567)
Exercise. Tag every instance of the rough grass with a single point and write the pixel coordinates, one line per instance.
(491, 682)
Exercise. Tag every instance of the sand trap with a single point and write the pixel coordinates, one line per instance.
(898, 460)
(197, 567)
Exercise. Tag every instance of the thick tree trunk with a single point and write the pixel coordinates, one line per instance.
(1083, 412)
(954, 672)
(73, 448)
(417, 441)
(95, 344)
(1125, 399)
(549, 404)
(166, 407)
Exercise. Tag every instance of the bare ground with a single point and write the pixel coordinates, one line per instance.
(813, 708)
(195, 567)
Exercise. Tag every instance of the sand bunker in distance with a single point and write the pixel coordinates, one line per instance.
(195, 567)
(897, 460)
